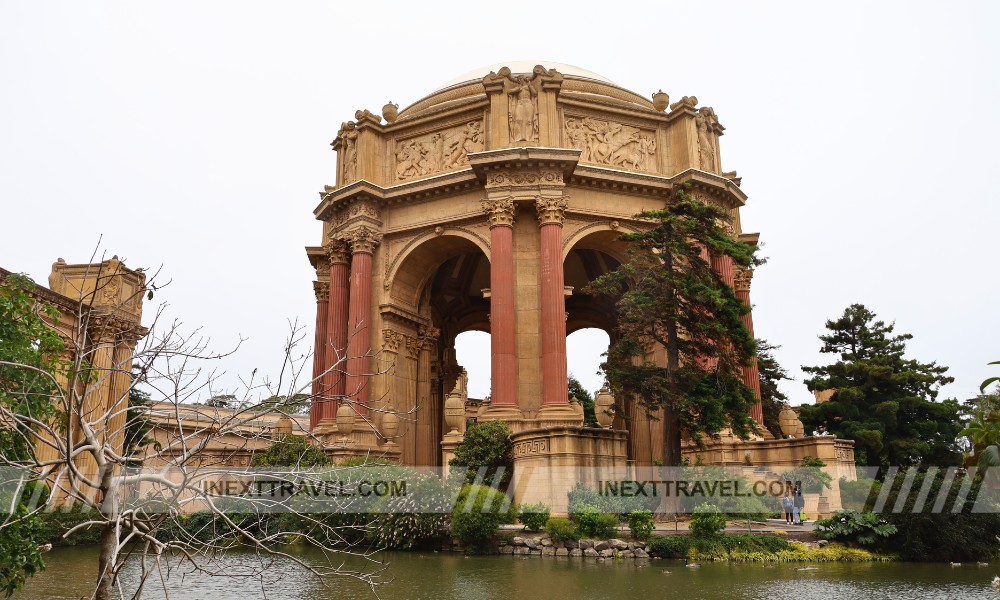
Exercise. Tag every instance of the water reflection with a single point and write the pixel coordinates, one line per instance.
(243, 575)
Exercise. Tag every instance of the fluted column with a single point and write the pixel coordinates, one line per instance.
(751, 375)
(336, 329)
(502, 329)
(322, 291)
(363, 241)
(553, 294)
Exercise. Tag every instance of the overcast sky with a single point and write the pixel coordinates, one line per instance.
(195, 135)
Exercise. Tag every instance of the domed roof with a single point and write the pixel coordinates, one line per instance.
(525, 66)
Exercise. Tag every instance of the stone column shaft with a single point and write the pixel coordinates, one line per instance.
(319, 355)
(553, 296)
(336, 331)
(359, 327)
(502, 330)
(751, 374)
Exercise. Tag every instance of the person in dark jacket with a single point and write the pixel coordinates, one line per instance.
(798, 503)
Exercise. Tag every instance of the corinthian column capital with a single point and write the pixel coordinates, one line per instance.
(337, 251)
(551, 210)
(322, 291)
(742, 276)
(362, 239)
(500, 213)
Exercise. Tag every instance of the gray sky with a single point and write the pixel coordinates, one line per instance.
(195, 136)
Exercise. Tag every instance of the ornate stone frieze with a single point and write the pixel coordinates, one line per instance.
(551, 210)
(322, 291)
(500, 212)
(708, 137)
(362, 239)
(529, 447)
(613, 144)
(439, 151)
(742, 277)
(520, 177)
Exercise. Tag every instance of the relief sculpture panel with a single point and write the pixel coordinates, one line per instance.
(438, 152)
(612, 144)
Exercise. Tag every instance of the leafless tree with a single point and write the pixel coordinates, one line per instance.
(137, 493)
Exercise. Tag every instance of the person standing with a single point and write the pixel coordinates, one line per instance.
(786, 505)
(798, 502)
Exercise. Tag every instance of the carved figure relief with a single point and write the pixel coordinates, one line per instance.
(707, 138)
(612, 144)
(523, 111)
(438, 152)
(349, 148)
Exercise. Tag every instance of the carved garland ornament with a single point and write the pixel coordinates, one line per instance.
(512, 178)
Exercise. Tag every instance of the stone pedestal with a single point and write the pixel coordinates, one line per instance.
(549, 462)
(448, 445)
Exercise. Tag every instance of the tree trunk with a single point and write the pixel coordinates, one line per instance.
(106, 562)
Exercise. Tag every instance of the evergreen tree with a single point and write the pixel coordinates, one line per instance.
(772, 399)
(585, 398)
(883, 401)
(669, 295)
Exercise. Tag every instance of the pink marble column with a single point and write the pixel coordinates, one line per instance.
(359, 327)
(319, 354)
(553, 295)
(751, 375)
(504, 360)
(336, 329)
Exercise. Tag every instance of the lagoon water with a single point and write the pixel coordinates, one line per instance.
(447, 576)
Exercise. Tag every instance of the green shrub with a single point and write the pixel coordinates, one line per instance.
(561, 530)
(486, 452)
(609, 502)
(669, 546)
(591, 522)
(863, 529)
(707, 521)
(479, 512)
(640, 522)
(407, 521)
(534, 516)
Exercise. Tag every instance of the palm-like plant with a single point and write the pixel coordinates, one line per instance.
(983, 432)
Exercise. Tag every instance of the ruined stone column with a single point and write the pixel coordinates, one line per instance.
(551, 212)
(504, 360)
(751, 376)
(322, 291)
(363, 241)
(336, 329)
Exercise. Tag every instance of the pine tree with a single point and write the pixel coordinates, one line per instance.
(883, 401)
(585, 398)
(772, 399)
(669, 295)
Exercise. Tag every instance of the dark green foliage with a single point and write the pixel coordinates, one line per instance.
(668, 294)
(864, 529)
(707, 521)
(641, 524)
(859, 495)
(291, 451)
(738, 506)
(137, 424)
(944, 536)
(586, 399)
(486, 452)
(561, 530)
(534, 516)
(592, 522)
(479, 512)
(678, 546)
(771, 398)
(884, 401)
(53, 525)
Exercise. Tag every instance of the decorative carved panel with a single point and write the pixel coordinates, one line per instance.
(612, 144)
(437, 152)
